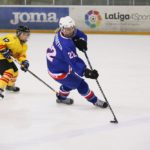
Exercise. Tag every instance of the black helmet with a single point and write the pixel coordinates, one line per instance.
(21, 29)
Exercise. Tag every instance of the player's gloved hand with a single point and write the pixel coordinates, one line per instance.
(25, 65)
(93, 74)
(6, 53)
(81, 44)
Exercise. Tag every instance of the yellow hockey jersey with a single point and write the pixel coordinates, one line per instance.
(12, 42)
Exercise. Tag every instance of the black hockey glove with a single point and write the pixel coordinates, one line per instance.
(93, 74)
(25, 65)
(81, 44)
(6, 53)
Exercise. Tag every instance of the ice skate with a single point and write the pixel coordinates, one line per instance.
(13, 88)
(67, 101)
(101, 104)
(1, 95)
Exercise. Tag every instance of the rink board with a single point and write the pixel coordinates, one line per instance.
(91, 19)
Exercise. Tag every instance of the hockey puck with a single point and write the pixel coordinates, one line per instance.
(114, 121)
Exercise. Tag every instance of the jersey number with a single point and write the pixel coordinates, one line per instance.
(6, 40)
(72, 54)
(51, 53)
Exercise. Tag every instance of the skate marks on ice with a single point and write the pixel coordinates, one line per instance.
(68, 135)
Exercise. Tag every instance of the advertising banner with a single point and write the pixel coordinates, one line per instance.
(112, 18)
(38, 18)
(94, 19)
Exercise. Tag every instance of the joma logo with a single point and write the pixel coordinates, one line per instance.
(33, 17)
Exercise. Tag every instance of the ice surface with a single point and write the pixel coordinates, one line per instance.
(31, 119)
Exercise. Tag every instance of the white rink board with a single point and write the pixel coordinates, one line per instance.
(92, 19)
(113, 18)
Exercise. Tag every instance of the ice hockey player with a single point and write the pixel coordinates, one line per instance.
(12, 45)
(66, 67)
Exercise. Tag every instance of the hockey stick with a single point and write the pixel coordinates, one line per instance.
(33, 74)
(115, 119)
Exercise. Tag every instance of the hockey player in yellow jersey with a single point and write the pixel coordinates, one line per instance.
(13, 45)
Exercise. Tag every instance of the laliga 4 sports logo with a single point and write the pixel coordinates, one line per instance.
(93, 18)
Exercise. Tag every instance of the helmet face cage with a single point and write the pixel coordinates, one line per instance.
(22, 29)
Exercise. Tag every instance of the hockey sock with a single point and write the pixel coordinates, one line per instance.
(84, 90)
(63, 92)
(13, 79)
(6, 77)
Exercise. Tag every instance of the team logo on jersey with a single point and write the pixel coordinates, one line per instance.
(93, 18)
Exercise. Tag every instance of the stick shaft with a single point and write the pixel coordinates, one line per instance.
(100, 87)
(33, 74)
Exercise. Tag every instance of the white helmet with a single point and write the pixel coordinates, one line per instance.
(66, 22)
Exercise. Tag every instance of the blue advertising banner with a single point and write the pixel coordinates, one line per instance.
(38, 18)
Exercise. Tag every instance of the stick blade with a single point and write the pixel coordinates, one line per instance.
(114, 121)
